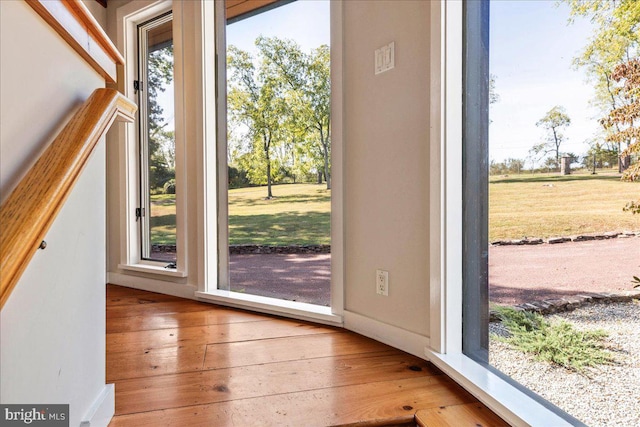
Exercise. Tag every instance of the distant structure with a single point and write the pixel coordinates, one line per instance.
(565, 165)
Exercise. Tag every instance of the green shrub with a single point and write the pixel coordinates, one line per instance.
(170, 186)
(238, 177)
(558, 342)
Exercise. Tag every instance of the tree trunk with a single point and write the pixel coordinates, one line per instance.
(267, 145)
(269, 194)
(325, 152)
(327, 175)
(623, 163)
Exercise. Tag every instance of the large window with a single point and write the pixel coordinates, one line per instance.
(543, 203)
(157, 211)
(278, 137)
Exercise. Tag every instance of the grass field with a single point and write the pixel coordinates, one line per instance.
(299, 214)
(163, 219)
(540, 205)
(547, 205)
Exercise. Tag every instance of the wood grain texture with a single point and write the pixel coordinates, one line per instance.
(211, 334)
(27, 214)
(236, 8)
(288, 348)
(174, 320)
(467, 415)
(210, 386)
(77, 26)
(212, 368)
(157, 309)
(378, 403)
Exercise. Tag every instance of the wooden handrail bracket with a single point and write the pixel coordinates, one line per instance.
(29, 211)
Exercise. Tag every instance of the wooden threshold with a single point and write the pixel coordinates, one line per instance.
(179, 362)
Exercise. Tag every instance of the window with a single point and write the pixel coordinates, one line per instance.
(279, 151)
(215, 278)
(475, 104)
(150, 223)
(459, 285)
(157, 211)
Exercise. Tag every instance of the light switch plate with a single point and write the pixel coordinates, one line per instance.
(385, 58)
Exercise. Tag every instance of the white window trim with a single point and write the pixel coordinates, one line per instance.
(128, 17)
(445, 351)
(213, 275)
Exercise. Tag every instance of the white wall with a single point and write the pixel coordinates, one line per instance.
(38, 90)
(52, 329)
(99, 12)
(386, 140)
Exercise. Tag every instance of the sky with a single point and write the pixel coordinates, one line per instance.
(306, 22)
(531, 53)
(532, 48)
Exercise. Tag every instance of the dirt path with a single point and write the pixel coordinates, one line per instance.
(296, 277)
(517, 274)
(528, 273)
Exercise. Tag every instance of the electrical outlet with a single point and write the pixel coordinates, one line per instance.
(382, 282)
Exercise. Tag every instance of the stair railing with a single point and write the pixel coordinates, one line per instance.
(29, 211)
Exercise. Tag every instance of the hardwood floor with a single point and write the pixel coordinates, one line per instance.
(179, 362)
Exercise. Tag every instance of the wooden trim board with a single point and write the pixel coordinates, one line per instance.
(78, 27)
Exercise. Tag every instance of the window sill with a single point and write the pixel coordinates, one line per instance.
(507, 401)
(296, 310)
(157, 269)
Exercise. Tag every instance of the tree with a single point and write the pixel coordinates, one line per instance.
(256, 99)
(493, 95)
(604, 153)
(616, 39)
(553, 122)
(626, 120)
(308, 77)
(506, 167)
(161, 145)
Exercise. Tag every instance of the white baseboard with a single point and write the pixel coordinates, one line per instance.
(102, 409)
(152, 285)
(399, 338)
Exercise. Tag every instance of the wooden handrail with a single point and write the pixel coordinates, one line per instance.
(27, 214)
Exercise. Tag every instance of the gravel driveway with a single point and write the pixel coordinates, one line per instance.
(600, 397)
(520, 274)
(517, 274)
(295, 277)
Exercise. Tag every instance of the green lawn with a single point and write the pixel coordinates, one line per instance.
(540, 205)
(547, 205)
(298, 214)
(163, 219)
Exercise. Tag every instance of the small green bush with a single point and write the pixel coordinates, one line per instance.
(559, 343)
(170, 187)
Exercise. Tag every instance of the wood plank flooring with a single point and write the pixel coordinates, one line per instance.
(178, 362)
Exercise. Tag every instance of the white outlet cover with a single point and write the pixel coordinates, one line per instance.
(382, 282)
